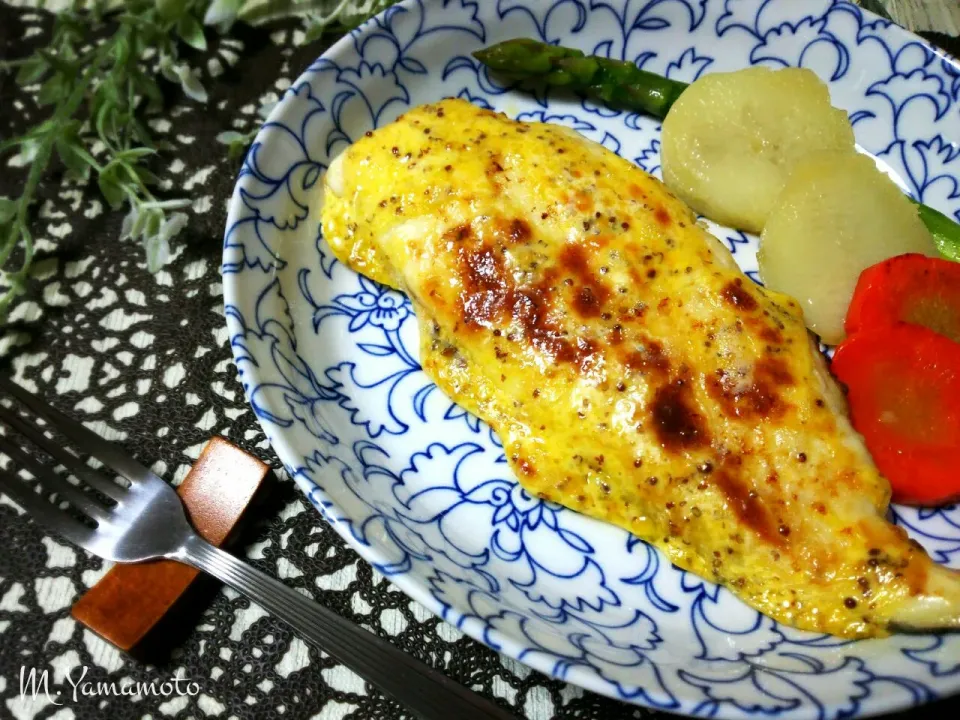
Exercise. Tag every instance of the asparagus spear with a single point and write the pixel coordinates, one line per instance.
(945, 232)
(622, 85)
(616, 83)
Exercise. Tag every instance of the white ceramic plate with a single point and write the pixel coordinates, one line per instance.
(329, 359)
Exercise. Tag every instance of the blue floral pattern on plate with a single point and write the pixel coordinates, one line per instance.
(328, 359)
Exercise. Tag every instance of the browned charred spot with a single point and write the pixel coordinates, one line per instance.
(661, 216)
(771, 335)
(519, 230)
(574, 258)
(676, 421)
(515, 231)
(526, 467)
(586, 303)
(495, 166)
(759, 398)
(459, 233)
(636, 192)
(616, 335)
(650, 357)
(487, 288)
(735, 294)
(531, 307)
(774, 371)
(590, 298)
(747, 505)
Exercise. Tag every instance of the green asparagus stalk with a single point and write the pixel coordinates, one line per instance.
(616, 83)
(945, 232)
(622, 85)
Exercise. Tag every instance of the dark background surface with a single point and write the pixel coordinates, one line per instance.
(87, 284)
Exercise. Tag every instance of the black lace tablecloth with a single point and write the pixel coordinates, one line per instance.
(146, 357)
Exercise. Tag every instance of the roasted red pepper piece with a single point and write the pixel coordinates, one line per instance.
(903, 385)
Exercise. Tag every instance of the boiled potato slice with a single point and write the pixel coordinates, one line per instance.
(730, 141)
(837, 216)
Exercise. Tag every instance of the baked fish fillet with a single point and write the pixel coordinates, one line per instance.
(632, 371)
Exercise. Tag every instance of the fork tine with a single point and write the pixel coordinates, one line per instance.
(105, 451)
(47, 478)
(45, 512)
(71, 462)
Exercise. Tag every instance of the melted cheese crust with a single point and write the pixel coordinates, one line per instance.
(631, 370)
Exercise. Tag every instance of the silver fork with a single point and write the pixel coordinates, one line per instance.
(146, 521)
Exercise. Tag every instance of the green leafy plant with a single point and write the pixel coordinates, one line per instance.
(98, 76)
(317, 16)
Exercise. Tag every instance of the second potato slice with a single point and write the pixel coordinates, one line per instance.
(837, 216)
(731, 140)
